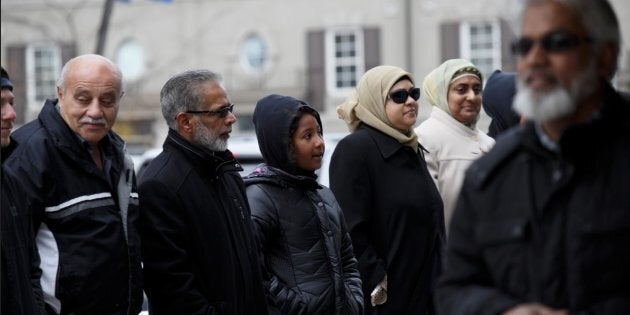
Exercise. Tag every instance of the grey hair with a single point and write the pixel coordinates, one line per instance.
(61, 81)
(181, 93)
(598, 18)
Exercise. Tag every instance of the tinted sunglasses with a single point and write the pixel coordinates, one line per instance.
(221, 112)
(554, 42)
(400, 96)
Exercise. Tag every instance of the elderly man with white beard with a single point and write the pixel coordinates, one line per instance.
(542, 224)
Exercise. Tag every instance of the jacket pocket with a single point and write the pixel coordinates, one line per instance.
(505, 232)
(604, 250)
(504, 246)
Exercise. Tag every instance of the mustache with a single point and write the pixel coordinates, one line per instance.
(530, 74)
(89, 120)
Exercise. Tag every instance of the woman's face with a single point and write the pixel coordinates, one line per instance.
(402, 116)
(308, 143)
(464, 98)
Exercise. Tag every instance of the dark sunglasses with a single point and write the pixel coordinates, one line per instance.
(222, 112)
(554, 42)
(400, 96)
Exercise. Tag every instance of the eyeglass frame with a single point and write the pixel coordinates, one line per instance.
(407, 94)
(222, 112)
(547, 43)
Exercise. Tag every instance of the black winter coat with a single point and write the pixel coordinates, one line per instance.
(536, 226)
(85, 220)
(307, 250)
(21, 291)
(199, 252)
(395, 216)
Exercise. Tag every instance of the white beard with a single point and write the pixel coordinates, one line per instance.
(556, 103)
(206, 138)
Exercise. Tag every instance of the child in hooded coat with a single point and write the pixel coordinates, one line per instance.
(306, 251)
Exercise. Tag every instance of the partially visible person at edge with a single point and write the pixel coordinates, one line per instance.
(307, 252)
(79, 182)
(498, 95)
(450, 134)
(21, 291)
(200, 254)
(542, 225)
(392, 206)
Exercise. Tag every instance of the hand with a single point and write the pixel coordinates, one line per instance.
(379, 295)
(534, 309)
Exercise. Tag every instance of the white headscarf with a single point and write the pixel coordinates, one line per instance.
(367, 104)
(436, 83)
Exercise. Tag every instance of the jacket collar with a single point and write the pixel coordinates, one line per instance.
(8, 150)
(611, 114)
(387, 145)
(266, 173)
(201, 156)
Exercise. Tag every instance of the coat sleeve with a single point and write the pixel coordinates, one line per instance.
(352, 279)
(162, 226)
(36, 272)
(433, 166)
(466, 286)
(24, 179)
(350, 182)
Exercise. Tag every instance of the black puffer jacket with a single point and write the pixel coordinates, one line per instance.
(308, 256)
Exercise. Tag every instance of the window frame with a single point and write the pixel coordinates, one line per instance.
(332, 61)
(244, 58)
(32, 88)
(494, 53)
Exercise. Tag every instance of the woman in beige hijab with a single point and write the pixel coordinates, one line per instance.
(450, 134)
(392, 208)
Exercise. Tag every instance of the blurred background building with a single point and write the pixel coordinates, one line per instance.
(313, 50)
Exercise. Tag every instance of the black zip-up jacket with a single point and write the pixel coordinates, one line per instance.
(21, 291)
(86, 227)
(199, 252)
(307, 250)
(533, 225)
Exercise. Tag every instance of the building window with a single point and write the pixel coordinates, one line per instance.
(130, 58)
(345, 59)
(254, 54)
(481, 44)
(43, 65)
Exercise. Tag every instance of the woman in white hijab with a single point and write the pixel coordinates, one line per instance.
(392, 208)
(450, 134)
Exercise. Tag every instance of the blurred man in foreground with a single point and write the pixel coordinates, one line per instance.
(542, 225)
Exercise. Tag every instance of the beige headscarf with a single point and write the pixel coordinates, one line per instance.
(436, 83)
(367, 104)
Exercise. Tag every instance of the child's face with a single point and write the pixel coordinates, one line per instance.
(308, 143)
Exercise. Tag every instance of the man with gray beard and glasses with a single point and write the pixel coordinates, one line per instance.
(198, 249)
(78, 182)
(542, 224)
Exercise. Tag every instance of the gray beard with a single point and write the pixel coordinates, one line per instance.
(206, 138)
(556, 103)
(543, 108)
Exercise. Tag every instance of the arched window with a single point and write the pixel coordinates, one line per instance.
(131, 60)
(254, 54)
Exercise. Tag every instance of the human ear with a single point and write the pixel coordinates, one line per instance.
(184, 123)
(607, 60)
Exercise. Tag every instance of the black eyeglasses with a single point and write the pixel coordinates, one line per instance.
(554, 42)
(222, 112)
(400, 96)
